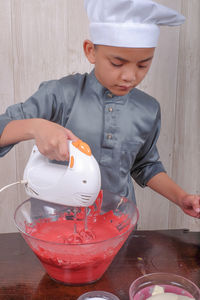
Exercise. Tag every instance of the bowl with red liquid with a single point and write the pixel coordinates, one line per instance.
(76, 245)
(144, 287)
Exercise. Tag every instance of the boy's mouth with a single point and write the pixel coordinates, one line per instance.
(124, 87)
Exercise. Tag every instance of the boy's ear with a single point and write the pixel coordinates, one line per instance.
(89, 50)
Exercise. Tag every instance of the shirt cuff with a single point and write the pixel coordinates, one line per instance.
(149, 172)
(4, 121)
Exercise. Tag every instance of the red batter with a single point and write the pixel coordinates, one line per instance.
(73, 254)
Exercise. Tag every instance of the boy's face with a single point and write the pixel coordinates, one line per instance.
(119, 69)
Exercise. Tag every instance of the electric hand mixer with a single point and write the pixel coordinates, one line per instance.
(77, 184)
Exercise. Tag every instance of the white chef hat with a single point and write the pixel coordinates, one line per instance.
(129, 23)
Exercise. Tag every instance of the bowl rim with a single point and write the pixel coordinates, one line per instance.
(97, 293)
(80, 244)
(164, 273)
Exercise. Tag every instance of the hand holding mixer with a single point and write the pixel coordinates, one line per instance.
(77, 184)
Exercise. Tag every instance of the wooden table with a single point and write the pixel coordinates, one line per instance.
(23, 277)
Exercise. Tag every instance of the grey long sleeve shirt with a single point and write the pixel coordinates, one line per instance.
(122, 131)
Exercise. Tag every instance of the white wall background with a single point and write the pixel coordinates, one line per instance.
(42, 40)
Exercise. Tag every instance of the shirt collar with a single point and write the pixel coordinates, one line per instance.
(104, 92)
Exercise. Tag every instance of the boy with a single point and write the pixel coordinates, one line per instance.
(120, 123)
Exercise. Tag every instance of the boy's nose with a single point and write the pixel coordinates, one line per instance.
(129, 75)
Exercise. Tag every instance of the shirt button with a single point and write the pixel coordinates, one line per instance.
(109, 95)
(109, 136)
(110, 109)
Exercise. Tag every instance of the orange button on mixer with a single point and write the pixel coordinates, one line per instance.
(71, 162)
(83, 147)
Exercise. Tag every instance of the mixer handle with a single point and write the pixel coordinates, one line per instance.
(74, 148)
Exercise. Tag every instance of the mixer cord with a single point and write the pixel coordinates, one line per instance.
(14, 183)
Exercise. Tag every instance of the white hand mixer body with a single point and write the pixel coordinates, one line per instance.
(77, 184)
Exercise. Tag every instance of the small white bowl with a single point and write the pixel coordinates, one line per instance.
(98, 295)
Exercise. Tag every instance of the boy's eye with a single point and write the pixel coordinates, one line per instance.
(116, 65)
(142, 67)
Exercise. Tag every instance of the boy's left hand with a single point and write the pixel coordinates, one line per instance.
(190, 204)
(164, 185)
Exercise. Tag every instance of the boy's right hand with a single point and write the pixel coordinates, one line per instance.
(51, 139)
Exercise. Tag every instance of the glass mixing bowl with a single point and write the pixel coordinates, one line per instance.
(74, 249)
(142, 288)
